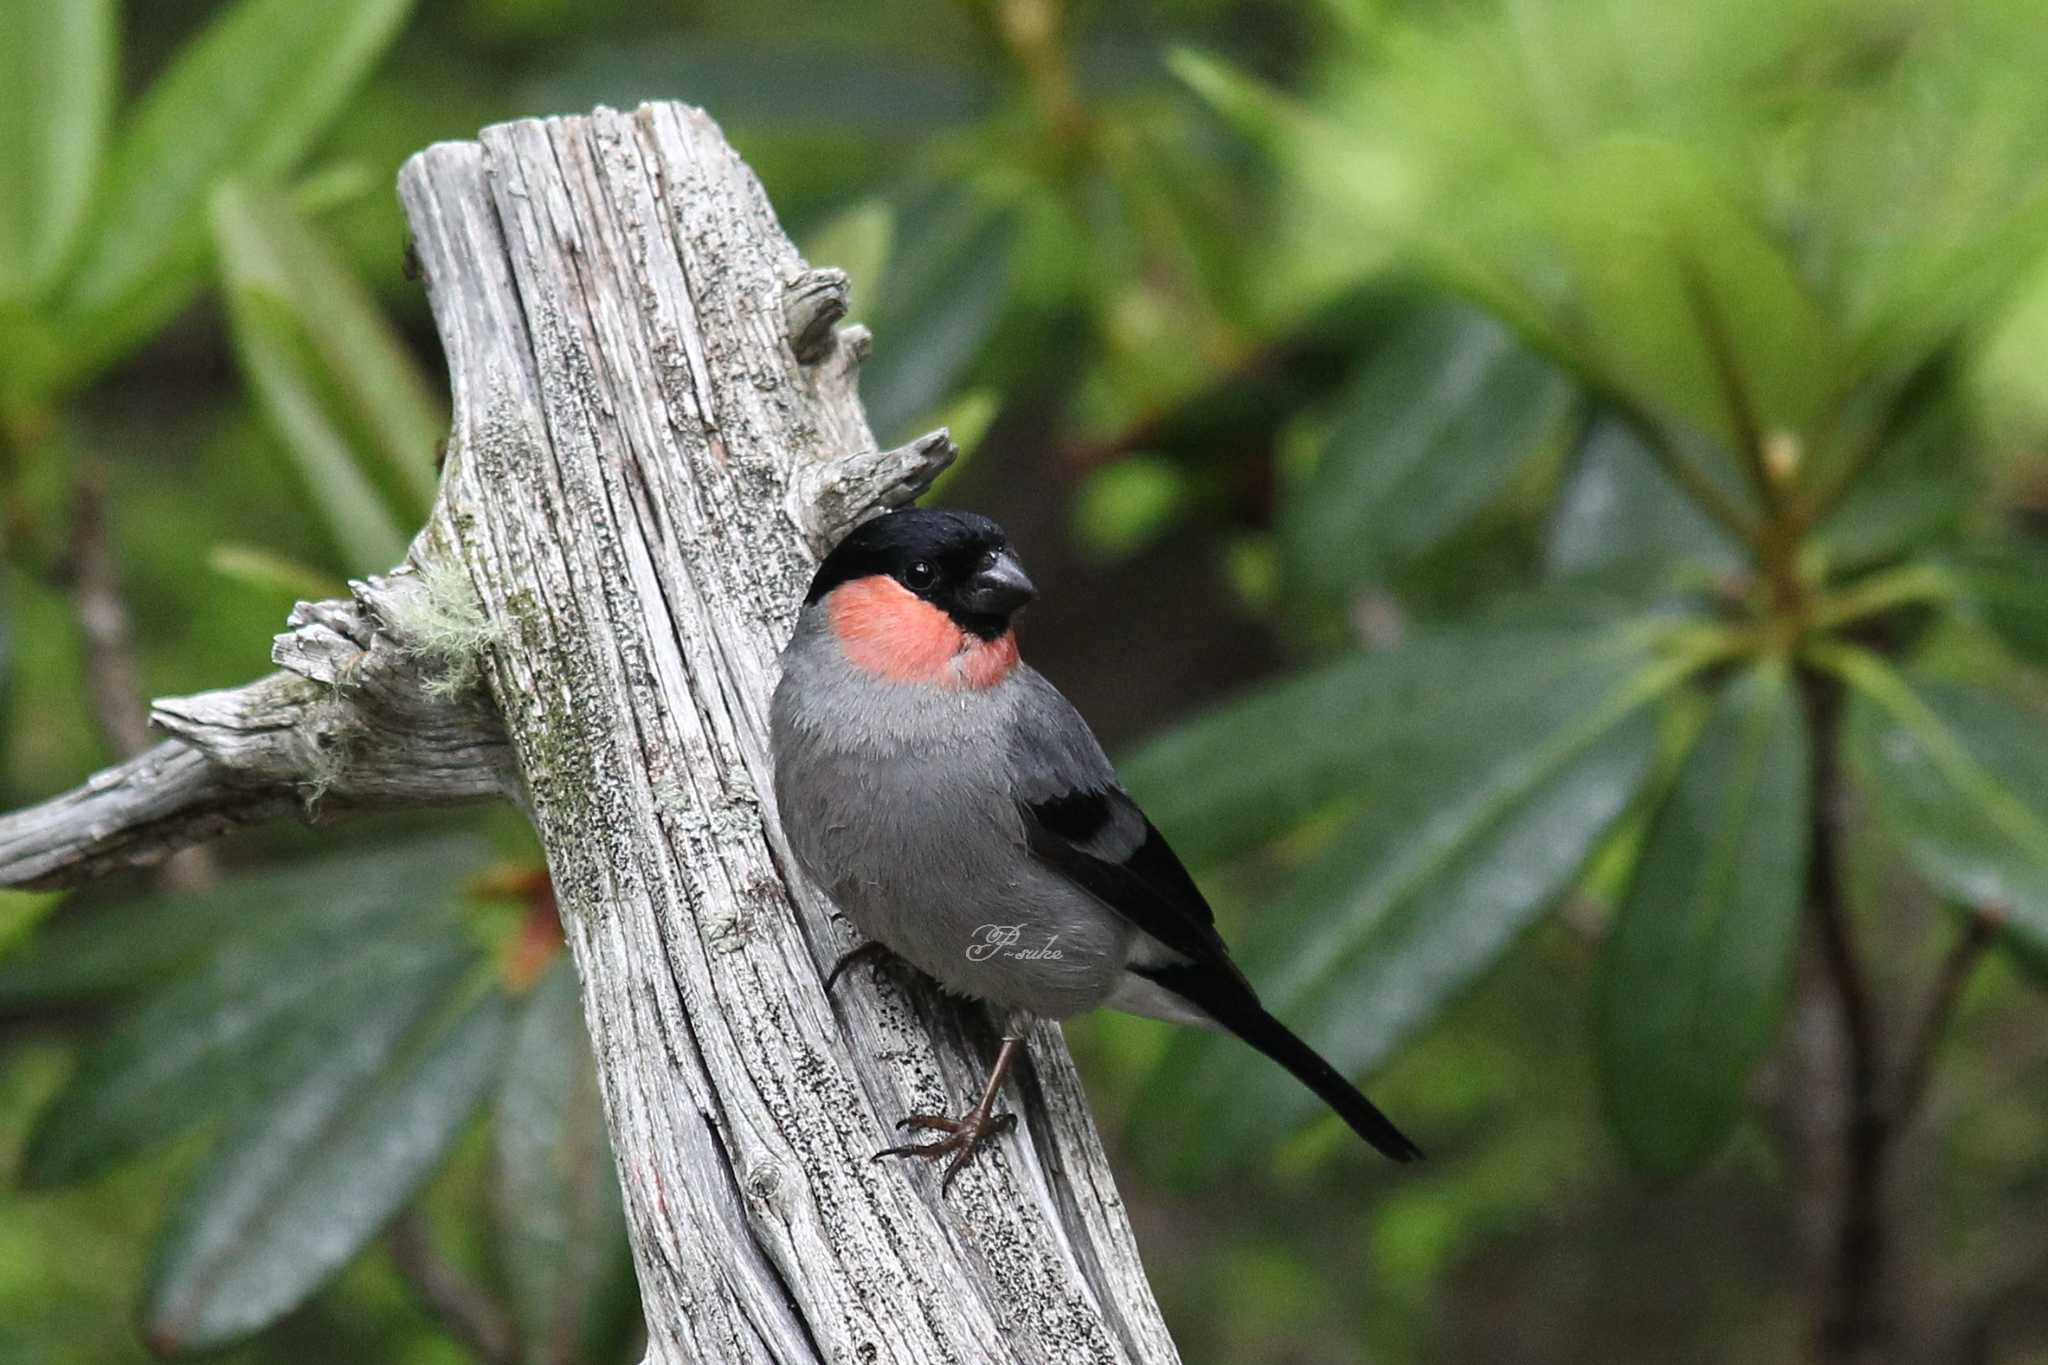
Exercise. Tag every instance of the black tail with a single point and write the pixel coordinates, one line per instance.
(1277, 1041)
(1227, 1000)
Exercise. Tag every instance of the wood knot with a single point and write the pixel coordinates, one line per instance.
(766, 1189)
(812, 304)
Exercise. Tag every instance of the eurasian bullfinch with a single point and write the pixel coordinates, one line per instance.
(961, 814)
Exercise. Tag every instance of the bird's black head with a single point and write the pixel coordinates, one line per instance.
(959, 562)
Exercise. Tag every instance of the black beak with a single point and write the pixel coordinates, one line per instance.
(999, 588)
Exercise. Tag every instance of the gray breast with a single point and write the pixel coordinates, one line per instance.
(897, 799)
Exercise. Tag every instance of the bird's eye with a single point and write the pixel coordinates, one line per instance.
(920, 574)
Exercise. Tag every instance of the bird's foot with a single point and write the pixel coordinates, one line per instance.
(963, 1138)
(877, 953)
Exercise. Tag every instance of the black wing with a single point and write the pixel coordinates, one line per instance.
(1080, 822)
(1102, 842)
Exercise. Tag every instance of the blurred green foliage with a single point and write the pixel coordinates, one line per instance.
(1793, 410)
(1630, 417)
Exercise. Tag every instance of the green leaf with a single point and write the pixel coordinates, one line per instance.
(1123, 506)
(327, 902)
(203, 1046)
(57, 64)
(1438, 417)
(355, 414)
(37, 358)
(936, 308)
(284, 370)
(368, 374)
(1913, 494)
(306, 1180)
(1934, 296)
(1413, 901)
(247, 97)
(332, 186)
(269, 572)
(857, 240)
(1620, 514)
(21, 911)
(1694, 311)
(562, 1222)
(2006, 584)
(1695, 974)
(93, 952)
(1959, 773)
(269, 949)
(1370, 190)
(1256, 108)
(1235, 777)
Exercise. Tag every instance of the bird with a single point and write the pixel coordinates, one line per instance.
(961, 814)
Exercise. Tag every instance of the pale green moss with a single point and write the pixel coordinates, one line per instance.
(444, 624)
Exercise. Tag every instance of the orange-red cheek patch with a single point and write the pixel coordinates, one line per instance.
(889, 630)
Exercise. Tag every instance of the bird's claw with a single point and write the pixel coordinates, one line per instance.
(876, 953)
(963, 1139)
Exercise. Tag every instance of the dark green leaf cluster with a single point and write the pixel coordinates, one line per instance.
(106, 236)
(333, 1029)
(1667, 369)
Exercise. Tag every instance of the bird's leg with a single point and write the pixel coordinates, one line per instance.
(878, 953)
(964, 1135)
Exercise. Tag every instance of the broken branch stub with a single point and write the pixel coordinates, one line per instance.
(358, 718)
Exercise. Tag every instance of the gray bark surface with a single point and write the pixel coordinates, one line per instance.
(656, 430)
